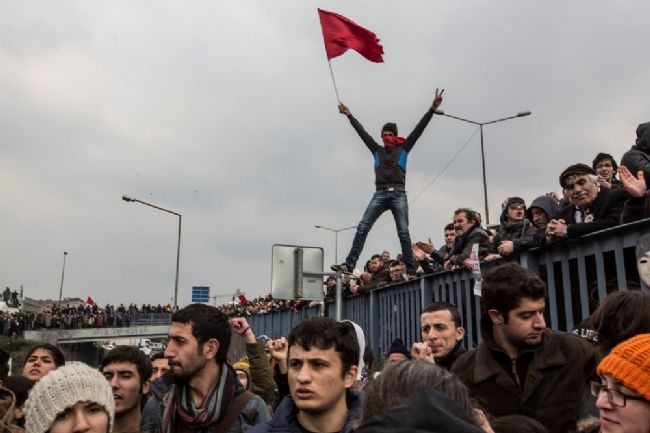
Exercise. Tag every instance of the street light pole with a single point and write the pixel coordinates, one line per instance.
(481, 124)
(65, 254)
(336, 239)
(178, 247)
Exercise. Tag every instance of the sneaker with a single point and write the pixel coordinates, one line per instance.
(343, 267)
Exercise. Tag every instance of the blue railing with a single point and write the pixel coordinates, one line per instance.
(579, 273)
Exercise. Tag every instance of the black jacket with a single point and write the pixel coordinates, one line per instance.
(427, 410)
(390, 164)
(606, 208)
(463, 245)
(638, 157)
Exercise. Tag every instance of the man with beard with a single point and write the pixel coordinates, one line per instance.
(520, 366)
(127, 370)
(323, 358)
(206, 395)
(442, 335)
(468, 232)
(590, 210)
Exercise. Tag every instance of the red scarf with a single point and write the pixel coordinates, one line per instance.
(392, 141)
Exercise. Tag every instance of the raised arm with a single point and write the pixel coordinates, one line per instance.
(370, 143)
(419, 128)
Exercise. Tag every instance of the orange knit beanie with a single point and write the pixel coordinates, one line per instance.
(629, 363)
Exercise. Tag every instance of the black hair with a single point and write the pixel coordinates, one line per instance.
(504, 286)
(158, 355)
(392, 127)
(469, 214)
(207, 322)
(4, 365)
(325, 333)
(602, 156)
(20, 386)
(445, 306)
(132, 355)
(399, 380)
(57, 355)
(449, 226)
(622, 315)
(377, 256)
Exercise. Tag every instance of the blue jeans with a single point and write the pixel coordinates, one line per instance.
(381, 202)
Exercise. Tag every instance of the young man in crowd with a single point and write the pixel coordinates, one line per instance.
(160, 365)
(468, 233)
(520, 366)
(128, 371)
(436, 260)
(390, 181)
(442, 335)
(606, 169)
(542, 210)
(515, 234)
(323, 357)
(206, 394)
(592, 209)
(638, 205)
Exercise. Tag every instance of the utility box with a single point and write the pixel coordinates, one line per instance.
(297, 272)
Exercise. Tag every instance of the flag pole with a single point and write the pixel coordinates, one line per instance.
(329, 63)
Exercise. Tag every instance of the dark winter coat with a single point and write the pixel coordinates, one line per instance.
(636, 208)
(638, 157)
(606, 209)
(464, 243)
(427, 410)
(551, 375)
(285, 418)
(551, 207)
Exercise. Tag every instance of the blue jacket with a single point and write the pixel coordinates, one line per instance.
(285, 419)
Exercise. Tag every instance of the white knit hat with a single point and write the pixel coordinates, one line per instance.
(63, 388)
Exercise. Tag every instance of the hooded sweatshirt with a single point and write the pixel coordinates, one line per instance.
(638, 157)
(552, 209)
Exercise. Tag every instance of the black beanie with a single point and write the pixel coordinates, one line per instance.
(392, 127)
(397, 346)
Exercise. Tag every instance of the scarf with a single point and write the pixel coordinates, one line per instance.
(459, 243)
(392, 141)
(180, 413)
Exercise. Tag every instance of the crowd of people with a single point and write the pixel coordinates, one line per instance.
(75, 317)
(522, 377)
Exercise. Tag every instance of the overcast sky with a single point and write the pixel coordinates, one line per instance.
(225, 112)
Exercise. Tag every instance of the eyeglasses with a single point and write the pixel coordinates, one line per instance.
(616, 398)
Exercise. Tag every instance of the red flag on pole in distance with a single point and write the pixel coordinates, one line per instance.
(341, 34)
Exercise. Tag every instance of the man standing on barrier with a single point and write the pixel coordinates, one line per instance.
(390, 180)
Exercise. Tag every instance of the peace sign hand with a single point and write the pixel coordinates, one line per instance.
(438, 100)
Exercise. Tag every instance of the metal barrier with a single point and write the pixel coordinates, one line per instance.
(151, 319)
(579, 273)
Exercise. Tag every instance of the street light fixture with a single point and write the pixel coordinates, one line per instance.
(178, 248)
(480, 124)
(336, 239)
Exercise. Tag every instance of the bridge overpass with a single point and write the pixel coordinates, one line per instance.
(69, 336)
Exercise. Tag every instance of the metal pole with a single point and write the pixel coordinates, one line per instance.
(65, 254)
(339, 296)
(178, 259)
(336, 247)
(485, 194)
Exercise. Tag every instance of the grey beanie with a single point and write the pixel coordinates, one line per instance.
(63, 388)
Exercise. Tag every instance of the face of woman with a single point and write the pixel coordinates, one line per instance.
(634, 417)
(83, 417)
(243, 379)
(38, 364)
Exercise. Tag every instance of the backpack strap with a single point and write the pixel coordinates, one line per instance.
(235, 410)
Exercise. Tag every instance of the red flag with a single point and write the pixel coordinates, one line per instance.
(90, 301)
(341, 34)
(243, 300)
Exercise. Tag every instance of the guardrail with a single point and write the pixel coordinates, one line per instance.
(579, 273)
